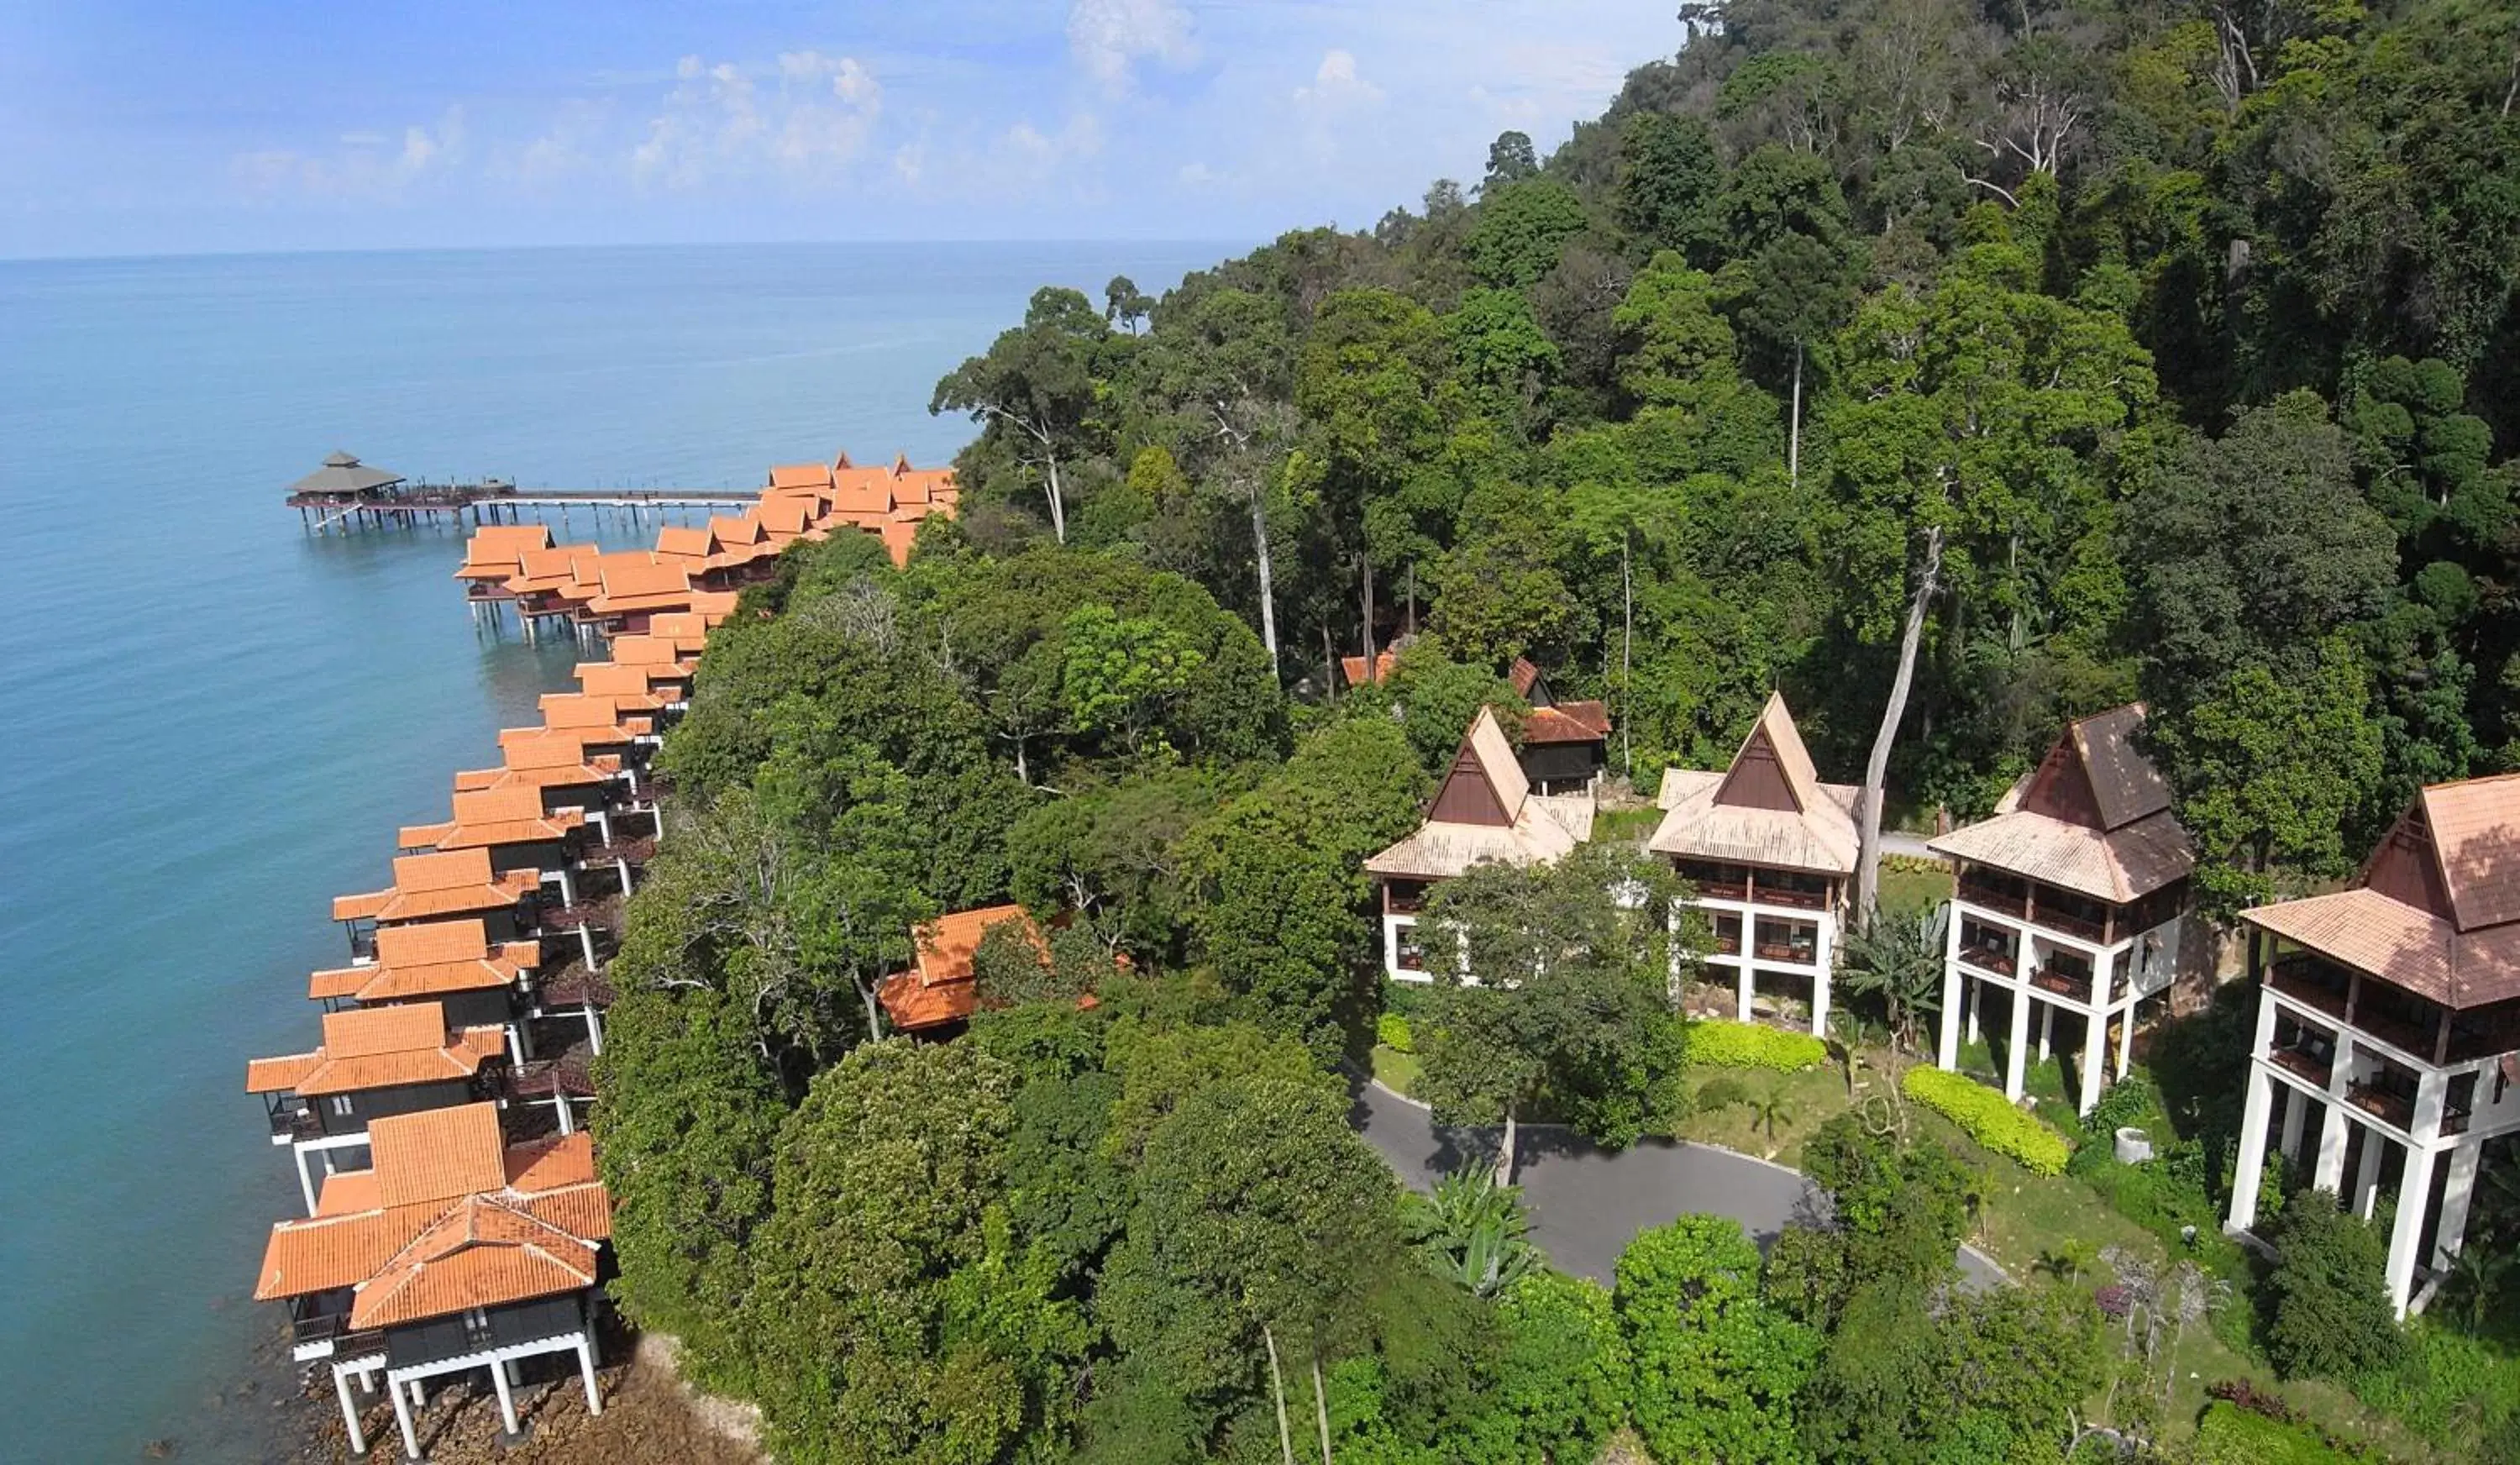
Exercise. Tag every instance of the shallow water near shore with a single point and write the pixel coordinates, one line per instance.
(218, 721)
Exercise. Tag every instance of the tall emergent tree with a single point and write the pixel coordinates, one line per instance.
(1036, 394)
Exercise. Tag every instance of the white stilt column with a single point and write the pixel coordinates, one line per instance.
(1749, 933)
(2414, 1188)
(1947, 1044)
(2329, 1176)
(402, 1416)
(2018, 1046)
(349, 1413)
(306, 1177)
(2047, 1029)
(1977, 1009)
(2367, 1174)
(1823, 951)
(2459, 1187)
(2251, 1164)
(2296, 1114)
(586, 1371)
(507, 1397)
(2096, 1051)
(2125, 1037)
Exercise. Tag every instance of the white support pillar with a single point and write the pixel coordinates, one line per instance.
(2047, 1030)
(349, 1413)
(2330, 1175)
(1977, 1009)
(586, 942)
(586, 1370)
(402, 1416)
(1747, 984)
(2296, 1113)
(1947, 1046)
(2126, 1038)
(2366, 1173)
(2017, 1045)
(594, 1030)
(2096, 1051)
(306, 1177)
(506, 1395)
(2414, 1188)
(1823, 950)
(2459, 1187)
(2252, 1161)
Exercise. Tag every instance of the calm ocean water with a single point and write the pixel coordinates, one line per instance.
(218, 723)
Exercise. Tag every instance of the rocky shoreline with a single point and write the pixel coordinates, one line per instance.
(651, 1417)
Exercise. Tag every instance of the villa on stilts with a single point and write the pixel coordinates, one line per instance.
(2069, 902)
(2387, 1048)
(1768, 850)
(455, 1252)
(373, 1062)
(1484, 810)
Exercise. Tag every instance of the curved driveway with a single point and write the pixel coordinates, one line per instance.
(1586, 1203)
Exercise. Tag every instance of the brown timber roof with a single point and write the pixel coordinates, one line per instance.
(1485, 811)
(1767, 807)
(2094, 817)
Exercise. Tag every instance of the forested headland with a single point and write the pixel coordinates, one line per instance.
(1984, 365)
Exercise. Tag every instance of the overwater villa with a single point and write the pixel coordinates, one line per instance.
(940, 988)
(437, 887)
(474, 980)
(1769, 852)
(512, 825)
(2387, 1047)
(372, 1062)
(2069, 901)
(494, 558)
(454, 1252)
(1484, 810)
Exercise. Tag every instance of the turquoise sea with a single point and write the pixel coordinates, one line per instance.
(216, 723)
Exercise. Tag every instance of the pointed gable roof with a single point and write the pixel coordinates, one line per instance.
(1485, 809)
(2475, 836)
(380, 1047)
(2094, 819)
(1486, 784)
(1772, 768)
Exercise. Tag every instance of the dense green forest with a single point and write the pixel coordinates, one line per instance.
(1990, 366)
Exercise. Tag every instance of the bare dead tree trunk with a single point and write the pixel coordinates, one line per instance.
(1321, 1405)
(1277, 1389)
(1413, 596)
(1627, 651)
(1268, 593)
(1504, 1151)
(1365, 564)
(873, 1012)
(1794, 442)
(1057, 501)
(1877, 769)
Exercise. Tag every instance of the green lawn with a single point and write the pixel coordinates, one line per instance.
(1395, 1070)
(1905, 890)
(1632, 825)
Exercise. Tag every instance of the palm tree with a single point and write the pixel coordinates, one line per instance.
(2475, 1280)
(2066, 1261)
(1848, 1032)
(1899, 959)
(1766, 1108)
(1472, 1231)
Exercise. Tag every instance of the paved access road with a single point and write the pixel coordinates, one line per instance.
(1586, 1203)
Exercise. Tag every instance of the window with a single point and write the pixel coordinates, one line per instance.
(341, 1105)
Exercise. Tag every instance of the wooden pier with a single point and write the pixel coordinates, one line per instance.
(345, 496)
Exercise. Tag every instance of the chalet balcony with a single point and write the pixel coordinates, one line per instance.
(2073, 986)
(321, 1319)
(2072, 924)
(1728, 944)
(2311, 982)
(1992, 897)
(2303, 1063)
(2398, 1030)
(294, 1123)
(1404, 899)
(549, 1078)
(574, 986)
(633, 852)
(1722, 890)
(2386, 1105)
(1987, 956)
(1766, 894)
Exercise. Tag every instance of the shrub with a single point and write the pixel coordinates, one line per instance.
(2230, 1435)
(2455, 1391)
(1990, 1119)
(1391, 1030)
(2331, 1316)
(1720, 1043)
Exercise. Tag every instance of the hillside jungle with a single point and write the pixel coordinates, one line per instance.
(1982, 365)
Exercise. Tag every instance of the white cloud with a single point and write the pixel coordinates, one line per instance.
(1109, 36)
(1336, 84)
(809, 125)
(1197, 175)
(367, 165)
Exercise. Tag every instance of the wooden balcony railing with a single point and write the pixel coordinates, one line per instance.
(1724, 890)
(2396, 1030)
(2072, 924)
(2011, 903)
(1786, 951)
(2303, 1062)
(1988, 958)
(294, 1123)
(2382, 1104)
(1727, 946)
(1795, 900)
(2294, 979)
(2073, 986)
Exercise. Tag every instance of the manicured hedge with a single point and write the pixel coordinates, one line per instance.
(1721, 1043)
(1391, 1030)
(2231, 1436)
(1989, 1117)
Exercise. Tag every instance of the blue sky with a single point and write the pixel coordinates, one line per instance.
(181, 125)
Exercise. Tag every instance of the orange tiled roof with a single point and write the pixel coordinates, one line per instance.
(495, 551)
(713, 607)
(1567, 722)
(449, 883)
(426, 959)
(685, 542)
(687, 629)
(565, 711)
(447, 1219)
(487, 817)
(380, 1047)
(1353, 667)
(939, 989)
(786, 515)
(661, 653)
(628, 686)
(799, 475)
(738, 529)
